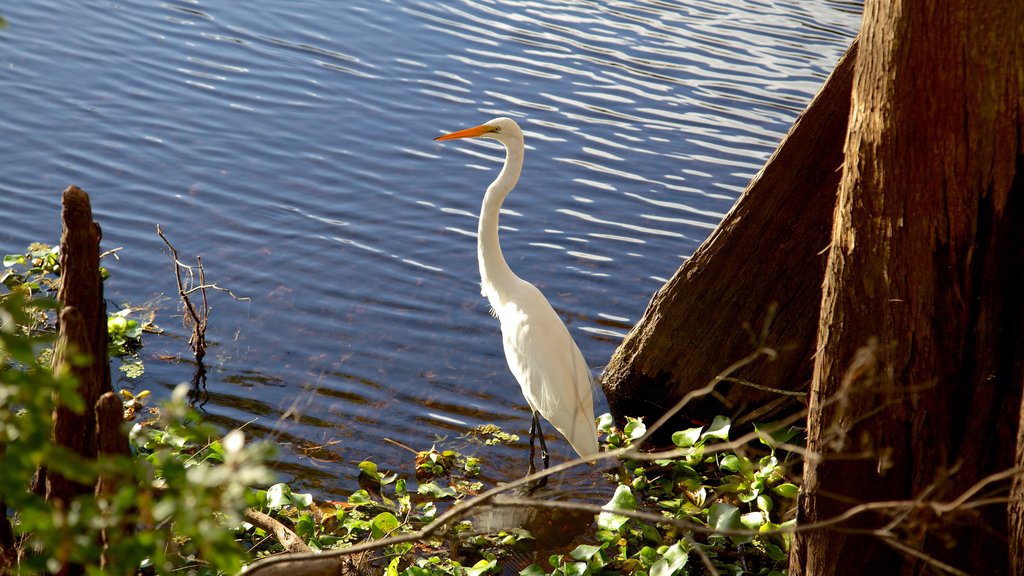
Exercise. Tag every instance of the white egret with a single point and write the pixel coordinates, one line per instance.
(540, 352)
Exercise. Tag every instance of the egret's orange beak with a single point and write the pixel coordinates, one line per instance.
(468, 132)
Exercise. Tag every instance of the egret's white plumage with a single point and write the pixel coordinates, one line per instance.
(540, 352)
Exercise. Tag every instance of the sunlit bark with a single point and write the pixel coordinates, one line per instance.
(763, 265)
(917, 383)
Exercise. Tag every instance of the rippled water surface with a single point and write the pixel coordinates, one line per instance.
(290, 145)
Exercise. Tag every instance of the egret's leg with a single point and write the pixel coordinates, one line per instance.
(536, 431)
(543, 447)
(533, 432)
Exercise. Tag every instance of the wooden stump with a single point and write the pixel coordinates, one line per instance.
(81, 351)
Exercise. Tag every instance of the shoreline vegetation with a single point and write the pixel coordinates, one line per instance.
(162, 490)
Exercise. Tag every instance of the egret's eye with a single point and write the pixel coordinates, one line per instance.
(497, 129)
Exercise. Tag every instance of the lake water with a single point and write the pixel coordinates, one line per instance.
(289, 144)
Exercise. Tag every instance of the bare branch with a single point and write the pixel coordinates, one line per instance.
(290, 540)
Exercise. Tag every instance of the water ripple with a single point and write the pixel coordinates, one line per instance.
(290, 145)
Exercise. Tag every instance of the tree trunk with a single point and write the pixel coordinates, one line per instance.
(81, 350)
(917, 384)
(756, 282)
(82, 334)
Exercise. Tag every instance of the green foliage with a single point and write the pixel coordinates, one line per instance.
(36, 275)
(185, 488)
(172, 503)
(734, 498)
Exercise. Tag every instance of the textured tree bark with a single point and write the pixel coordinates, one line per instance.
(763, 263)
(111, 443)
(917, 382)
(81, 350)
(82, 334)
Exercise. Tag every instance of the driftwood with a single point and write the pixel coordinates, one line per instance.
(753, 284)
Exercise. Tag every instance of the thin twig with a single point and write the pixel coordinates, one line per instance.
(204, 287)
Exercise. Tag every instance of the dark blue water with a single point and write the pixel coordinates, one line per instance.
(290, 145)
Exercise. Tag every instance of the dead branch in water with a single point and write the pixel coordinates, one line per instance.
(195, 318)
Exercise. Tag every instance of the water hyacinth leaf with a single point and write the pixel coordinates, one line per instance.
(532, 570)
(723, 517)
(648, 556)
(573, 569)
(368, 470)
(774, 552)
(392, 569)
(277, 496)
(686, 438)
(427, 511)
(650, 534)
(383, 524)
(635, 428)
(752, 520)
(433, 490)
(772, 435)
(584, 552)
(481, 567)
(671, 562)
(787, 490)
(623, 499)
(719, 428)
(305, 526)
(730, 463)
(359, 497)
(605, 423)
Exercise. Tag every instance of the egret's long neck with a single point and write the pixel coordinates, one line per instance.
(495, 275)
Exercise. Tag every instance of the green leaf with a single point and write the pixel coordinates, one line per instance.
(532, 570)
(301, 500)
(359, 497)
(434, 491)
(686, 438)
(671, 562)
(13, 259)
(719, 428)
(573, 568)
(648, 555)
(392, 569)
(383, 524)
(724, 516)
(605, 423)
(752, 520)
(584, 552)
(787, 490)
(771, 435)
(481, 567)
(368, 469)
(277, 496)
(774, 552)
(623, 499)
(730, 463)
(635, 428)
